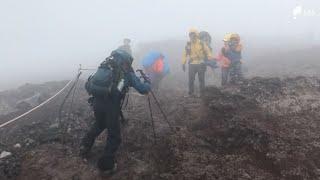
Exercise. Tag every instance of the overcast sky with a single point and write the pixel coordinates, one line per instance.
(44, 39)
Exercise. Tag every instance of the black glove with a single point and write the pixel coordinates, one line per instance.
(184, 67)
(147, 79)
(90, 100)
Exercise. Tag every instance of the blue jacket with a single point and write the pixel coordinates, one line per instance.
(234, 56)
(131, 80)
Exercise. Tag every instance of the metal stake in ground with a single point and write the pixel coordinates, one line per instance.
(64, 101)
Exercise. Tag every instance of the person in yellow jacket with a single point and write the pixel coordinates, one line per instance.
(195, 54)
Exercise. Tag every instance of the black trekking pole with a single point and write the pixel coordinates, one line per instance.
(124, 102)
(162, 112)
(152, 121)
(144, 76)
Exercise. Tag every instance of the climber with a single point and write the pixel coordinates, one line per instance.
(230, 59)
(234, 53)
(196, 53)
(107, 88)
(156, 67)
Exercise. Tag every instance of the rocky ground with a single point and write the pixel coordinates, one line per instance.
(264, 128)
(26, 97)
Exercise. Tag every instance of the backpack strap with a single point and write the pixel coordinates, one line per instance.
(204, 50)
(119, 73)
(188, 48)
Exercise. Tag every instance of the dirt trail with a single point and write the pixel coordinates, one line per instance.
(265, 128)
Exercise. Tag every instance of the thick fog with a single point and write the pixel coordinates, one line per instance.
(44, 40)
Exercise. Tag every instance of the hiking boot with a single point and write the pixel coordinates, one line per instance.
(106, 163)
(84, 152)
(109, 172)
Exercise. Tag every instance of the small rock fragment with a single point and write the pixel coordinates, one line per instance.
(4, 154)
(29, 141)
(246, 175)
(17, 145)
(55, 125)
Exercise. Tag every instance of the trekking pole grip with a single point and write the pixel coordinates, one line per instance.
(143, 75)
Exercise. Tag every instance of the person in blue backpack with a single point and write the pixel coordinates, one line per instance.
(156, 67)
(108, 87)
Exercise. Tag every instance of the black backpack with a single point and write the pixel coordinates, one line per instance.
(109, 73)
(101, 82)
(205, 36)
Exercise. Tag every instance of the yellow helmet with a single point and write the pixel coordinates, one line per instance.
(227, 37)
(235, 37)
(193, 30)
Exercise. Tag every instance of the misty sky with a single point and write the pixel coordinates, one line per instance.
(47, 39)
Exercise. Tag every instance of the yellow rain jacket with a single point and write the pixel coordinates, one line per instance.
(196, 52)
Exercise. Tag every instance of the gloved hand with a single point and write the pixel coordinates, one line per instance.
(147, 79)
(148, 87)
(184, 67)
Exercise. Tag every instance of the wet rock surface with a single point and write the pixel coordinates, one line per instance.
(264, 128)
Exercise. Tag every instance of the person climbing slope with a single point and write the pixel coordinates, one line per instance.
(108, 87)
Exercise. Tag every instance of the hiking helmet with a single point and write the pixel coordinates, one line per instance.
(235, 37)
(226, 37)
(193, 30)
(205, 36)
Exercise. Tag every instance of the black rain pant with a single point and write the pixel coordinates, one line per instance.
(195, 69)
(231, 74)
(106, 112)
